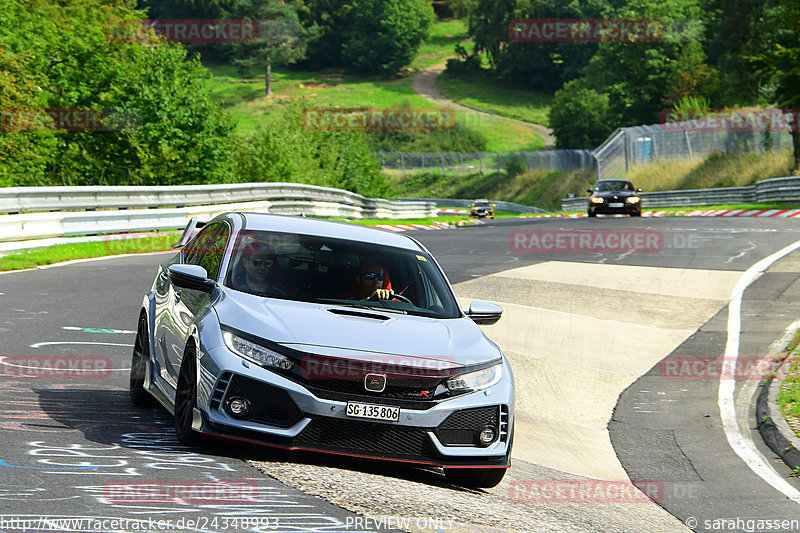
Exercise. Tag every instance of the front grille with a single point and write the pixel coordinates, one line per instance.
(406, 389)
(268, 405)
(366, 437)
(459, 428)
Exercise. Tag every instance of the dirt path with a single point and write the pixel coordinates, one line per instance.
(424, 84)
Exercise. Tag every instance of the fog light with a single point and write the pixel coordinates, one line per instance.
(486, 436)
(238, 407)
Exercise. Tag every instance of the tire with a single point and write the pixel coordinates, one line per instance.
(186, 400)
(636, 214)
(475, 477)
(141, 351)
(592, 214)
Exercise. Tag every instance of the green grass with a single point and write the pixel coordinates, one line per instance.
(441, 43)
(493, 97)
(243, 95)
(85, 250)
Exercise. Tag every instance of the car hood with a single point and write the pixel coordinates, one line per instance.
(340, 331)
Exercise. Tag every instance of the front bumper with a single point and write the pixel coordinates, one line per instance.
(287, 415)
(604, 209)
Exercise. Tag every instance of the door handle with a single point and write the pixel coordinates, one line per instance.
(177, 296)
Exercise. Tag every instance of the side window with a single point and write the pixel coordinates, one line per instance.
(194, 250)
(208, 248)
(212, 259)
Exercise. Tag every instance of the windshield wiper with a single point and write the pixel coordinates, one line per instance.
(350, 303)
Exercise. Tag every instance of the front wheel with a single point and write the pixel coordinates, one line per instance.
(475, 477)
(592, 214)
(141, 353)
(186, 400)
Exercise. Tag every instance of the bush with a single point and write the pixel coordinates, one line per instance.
(579, 117)
(178, 135)
(283, 150)
(515, 164)
(383, 36)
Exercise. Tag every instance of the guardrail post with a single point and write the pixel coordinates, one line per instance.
(403, 162)
(442, 156)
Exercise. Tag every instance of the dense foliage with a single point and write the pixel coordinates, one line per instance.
(727, 53)
(156, 124)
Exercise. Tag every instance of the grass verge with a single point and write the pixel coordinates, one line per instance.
(86, 250)
(492, 97)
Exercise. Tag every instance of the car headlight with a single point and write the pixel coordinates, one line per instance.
(475, 381)
(596, 200)
(257, 353)
(633, 199)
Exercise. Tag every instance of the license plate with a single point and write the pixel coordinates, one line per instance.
(373, 412)
(616, 204)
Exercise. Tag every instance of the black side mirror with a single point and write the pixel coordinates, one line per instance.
(638, 189)
(192, 277)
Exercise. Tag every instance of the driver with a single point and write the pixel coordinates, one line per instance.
(369, 282)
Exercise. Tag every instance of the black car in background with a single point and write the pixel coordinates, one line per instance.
(614, 197)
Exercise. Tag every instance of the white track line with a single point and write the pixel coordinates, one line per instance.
(744, 446)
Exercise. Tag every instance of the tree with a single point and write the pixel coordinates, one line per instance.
(643, 79)
(281, 38)
(383, 36)
(539, 66)
(67, 53)
(579, 116)
(782, 63)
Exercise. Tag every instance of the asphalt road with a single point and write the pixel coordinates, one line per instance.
(73, 442)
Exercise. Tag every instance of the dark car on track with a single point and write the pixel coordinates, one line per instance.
(614, 197)
(305, 334)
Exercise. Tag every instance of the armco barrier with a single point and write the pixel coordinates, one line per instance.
(97, 210)
(31, 199)
(455, 202)
(784, 190)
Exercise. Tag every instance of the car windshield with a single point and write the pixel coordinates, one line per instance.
(336, 271)
(617, 185)
(481, 203)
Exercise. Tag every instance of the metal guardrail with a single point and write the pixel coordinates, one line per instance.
(785, 190)
(28, 199)
(455, 202)
(50, 212)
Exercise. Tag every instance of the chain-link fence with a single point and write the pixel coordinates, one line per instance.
(640, 145)
(488, 162)
(626, 147)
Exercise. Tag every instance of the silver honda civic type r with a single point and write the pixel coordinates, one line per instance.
(305, 334)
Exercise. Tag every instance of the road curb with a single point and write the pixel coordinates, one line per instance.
(774, 430)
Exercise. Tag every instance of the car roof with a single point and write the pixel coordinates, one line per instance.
(326, 228)
(615, 179)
